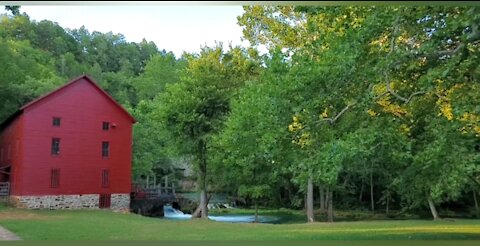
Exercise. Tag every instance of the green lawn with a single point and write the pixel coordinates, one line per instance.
(107, 225)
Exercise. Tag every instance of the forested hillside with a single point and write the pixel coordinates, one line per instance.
(36, 57)
(358, 107)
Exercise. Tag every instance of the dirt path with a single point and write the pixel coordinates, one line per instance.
(6, 235)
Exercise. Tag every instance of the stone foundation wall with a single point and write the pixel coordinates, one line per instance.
(91, 201)
(120, 202)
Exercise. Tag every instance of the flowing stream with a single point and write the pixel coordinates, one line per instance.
(171, 213)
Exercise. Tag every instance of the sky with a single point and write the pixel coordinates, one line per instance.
(173, 28)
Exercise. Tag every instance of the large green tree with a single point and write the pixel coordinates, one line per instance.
(194, 109)
(250, 144)
(159, 71)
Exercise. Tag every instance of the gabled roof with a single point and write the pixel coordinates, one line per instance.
(73, 81)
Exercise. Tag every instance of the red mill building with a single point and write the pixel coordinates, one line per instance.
(71, 148)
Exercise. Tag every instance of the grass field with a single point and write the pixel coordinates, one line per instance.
(108, 225)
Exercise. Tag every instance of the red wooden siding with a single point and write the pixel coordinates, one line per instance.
(12, 135)
(82, 108)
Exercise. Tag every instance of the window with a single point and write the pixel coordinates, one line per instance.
(55, 178)
(105, 178)
(106, 126)
(104, 201)
(55, 146)
(56, 121)
(105, 149)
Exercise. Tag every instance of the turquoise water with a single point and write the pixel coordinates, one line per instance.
(174, 214)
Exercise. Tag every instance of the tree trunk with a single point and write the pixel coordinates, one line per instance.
(288, 194)
(386, 210)
(477, 214)
(256, 211)
(327, 192)
(203, 178)
(371, 191)
(432, 208)
(310, 217)
(305, 202)
(322, 198)
(282, 193)
(196, 213)
(330, 206)
(204, 203)
(361, 192)
(475, 200)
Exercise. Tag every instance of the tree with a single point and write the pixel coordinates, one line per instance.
(26, 73)
(325, 45)
(17, 28)
(150, 149)
(193, 110)
(159, 71)
(418, 80)
(15, 10)
(376, 60)
(249, 146)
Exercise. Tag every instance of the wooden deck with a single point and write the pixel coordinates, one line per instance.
(161, 193)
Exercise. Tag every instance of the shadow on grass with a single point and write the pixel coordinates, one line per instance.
(289, 216)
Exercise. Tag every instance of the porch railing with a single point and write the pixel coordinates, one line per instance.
(4, 188)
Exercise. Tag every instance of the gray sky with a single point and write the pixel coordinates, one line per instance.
(173, 28)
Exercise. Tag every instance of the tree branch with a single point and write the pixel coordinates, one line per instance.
(334, 119)
(440, 96)
(380, 96)
(474, 36)
(387, 79)
(389, 89)
(443, 53)
(415, 94)
(471, 38)
(474, 180)
(394, 37)
(405, 100)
